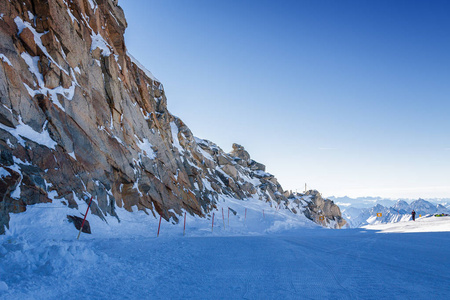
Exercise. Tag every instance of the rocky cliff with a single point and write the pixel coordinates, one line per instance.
(80, 117)
(314, 207)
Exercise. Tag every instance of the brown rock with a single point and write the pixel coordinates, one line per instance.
(65, 80)
(51, 79)
(48, 40)
(8, 26)
(77, 221)
(28, 41)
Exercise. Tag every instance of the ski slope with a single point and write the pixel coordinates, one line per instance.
(296, 260)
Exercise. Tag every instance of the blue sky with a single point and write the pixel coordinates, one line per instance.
(351, 97)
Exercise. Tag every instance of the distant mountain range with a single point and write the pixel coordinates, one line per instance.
(367, 202)
(362, 211)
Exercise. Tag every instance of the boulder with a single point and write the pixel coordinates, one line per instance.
(239, 151)
(318, 207)
(256, 166)
(222, 160)
(27, 38)
(231, 171)
(77, 221)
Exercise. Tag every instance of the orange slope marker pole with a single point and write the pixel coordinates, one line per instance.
(85, 215)
(184, 227)
(159, 226)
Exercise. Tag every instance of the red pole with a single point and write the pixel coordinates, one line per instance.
(159, 226)
(85, 215)
(223, 218)
(184, 228)
(212, 226)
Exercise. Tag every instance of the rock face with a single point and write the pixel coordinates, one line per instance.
(79, 116)
(322, 211)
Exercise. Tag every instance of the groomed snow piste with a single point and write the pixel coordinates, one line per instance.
(277, 255)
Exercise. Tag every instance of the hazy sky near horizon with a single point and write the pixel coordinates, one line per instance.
(351, 97)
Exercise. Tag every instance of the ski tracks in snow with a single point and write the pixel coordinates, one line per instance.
(310, 264)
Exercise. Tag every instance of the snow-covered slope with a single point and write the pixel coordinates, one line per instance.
(401, 206)
(280, 259)
(424, 207)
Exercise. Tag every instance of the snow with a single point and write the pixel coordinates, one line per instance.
(112, 15)
(116, 57)
(176, 142)
(253, 181)
(423, 224)
(145, 114)
(4, 173)
(32, 63)
(140, 66)
(261, 173)
(93, 5)
(10, 145)
(204, 153)
(72, 17)
(281, 256)
(17, 168)
(112, 135)
(146, 148)
(67, 93)
(24, 131)
(21, 25)
(53, 93)
(99, 42)
(72, 154)
(5, 59)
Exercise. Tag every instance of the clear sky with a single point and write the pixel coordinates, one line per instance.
(351, 97)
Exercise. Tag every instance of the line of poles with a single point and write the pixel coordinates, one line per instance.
(184, 224)
(212, 220)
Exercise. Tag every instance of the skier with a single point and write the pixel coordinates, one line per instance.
(413, 215)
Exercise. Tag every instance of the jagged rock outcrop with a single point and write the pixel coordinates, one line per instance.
(322, 211)
(79, 116)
